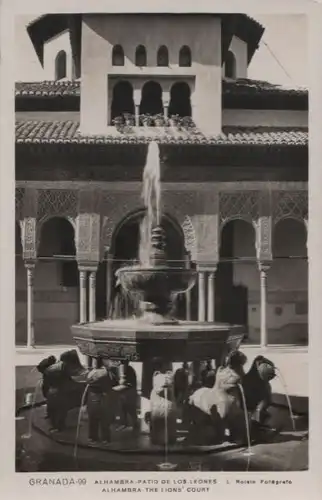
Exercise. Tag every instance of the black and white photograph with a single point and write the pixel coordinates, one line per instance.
(161, 256)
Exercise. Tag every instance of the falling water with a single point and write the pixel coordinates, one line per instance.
(166, 465)
(34, 399)
(27, 396)
(166, 425)
(249, 450)
(79, 420)
(280, 376)
(151, 194)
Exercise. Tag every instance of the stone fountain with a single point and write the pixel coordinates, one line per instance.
(156, 333)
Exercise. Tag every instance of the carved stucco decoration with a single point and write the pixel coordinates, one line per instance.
(88, 226)
(181, 206)
(19, 196)
(239, 205)
(264, 228)
(29, 224)
(29, 238)
(57, 203)
(290, 204)
(189, 237)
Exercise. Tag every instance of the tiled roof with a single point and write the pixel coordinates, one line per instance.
(48, 89)
(250, 87)
(240, 87)
(66, 132)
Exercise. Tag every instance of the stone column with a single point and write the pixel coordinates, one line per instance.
(188, 294)
(92, 296)
(137, 96)
(211, 296)
(82, 296)
(165, 102)
(109, 281)
(30, 305)
(263, 268)
(201, 296)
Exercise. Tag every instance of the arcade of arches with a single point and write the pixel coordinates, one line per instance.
(271, 302)
(152, 100)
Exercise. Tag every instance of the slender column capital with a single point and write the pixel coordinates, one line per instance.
(92, 279)
(211, 275)
(263, 268)
(209, 267)
(82, 276)
(30, 264)
(87, 267)
(30, 276)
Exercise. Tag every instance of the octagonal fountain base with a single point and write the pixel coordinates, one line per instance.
(139, 340)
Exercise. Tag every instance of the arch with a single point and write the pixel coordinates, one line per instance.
(57, 244)
(117, 55)
(151, 101)
(57, 274)
(122, 101)
(288, 278)
(163, 56)
(230, 65)
(237, 272)
(180, 103)
(140, 56)
(289, 238)
(185, 56)
(61, 65)
(237, 239)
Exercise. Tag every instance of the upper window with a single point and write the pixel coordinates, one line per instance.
(140, 56)
(230, 65)
(118, 56)
(163, 56)
(185, 56)
(60, 65)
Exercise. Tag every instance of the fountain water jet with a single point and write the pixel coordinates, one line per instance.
(33, 402)
(292, 417)
(249, 451)
(79, 420)
(151, 195)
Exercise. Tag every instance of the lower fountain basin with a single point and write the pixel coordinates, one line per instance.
(139, 340)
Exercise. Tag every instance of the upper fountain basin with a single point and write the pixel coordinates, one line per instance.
(160, 280)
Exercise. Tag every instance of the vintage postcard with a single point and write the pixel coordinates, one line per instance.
(157, 295)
